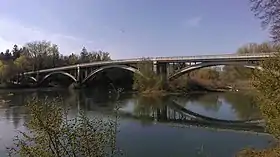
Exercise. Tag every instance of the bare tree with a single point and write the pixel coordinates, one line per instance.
(268, 11)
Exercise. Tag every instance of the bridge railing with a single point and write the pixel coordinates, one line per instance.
(223, 56)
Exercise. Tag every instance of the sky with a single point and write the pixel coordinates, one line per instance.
(132, 28)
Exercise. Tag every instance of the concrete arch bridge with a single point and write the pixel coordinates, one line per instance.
(168, 67)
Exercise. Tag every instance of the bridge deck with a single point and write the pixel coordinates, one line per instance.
(202, 58)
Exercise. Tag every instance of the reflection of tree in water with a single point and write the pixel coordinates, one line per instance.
(14, 109)
(87, 99)
(97, 99)
(209, 101)
(243, 105)
(150, 107)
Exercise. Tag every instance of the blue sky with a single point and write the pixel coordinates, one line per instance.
(132, 28)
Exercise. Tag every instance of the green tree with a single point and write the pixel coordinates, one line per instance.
(51, 134)
(21, 64)
(266, 82)
(6, 71)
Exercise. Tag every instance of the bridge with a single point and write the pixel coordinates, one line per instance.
(169, 67)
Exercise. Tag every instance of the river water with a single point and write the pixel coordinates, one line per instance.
(143, 130)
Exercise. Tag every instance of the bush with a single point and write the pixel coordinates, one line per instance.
(51, 134)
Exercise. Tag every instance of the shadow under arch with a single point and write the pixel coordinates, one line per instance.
(58, 72)
(125, 67)
(203, 65)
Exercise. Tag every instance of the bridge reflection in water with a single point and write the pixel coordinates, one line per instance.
(164, 110)
(175, 114)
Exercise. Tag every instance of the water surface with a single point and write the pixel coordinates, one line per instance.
(149, 127)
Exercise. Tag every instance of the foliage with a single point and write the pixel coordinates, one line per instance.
(51, 133)
(42, 55)
(6, 70)
(180, 84)
(21, 63)
(266, 83)
(146, 106)
(149, 81)
(270, 152)
(239, 72)
(207, 76)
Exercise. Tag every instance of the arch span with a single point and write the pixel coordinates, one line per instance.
(28, 78)
(58, 72)
(92, 74)
(32, 78)
(203, 65)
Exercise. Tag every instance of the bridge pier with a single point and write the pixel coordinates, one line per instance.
(78, 74)
(155, 66)
(162, 72)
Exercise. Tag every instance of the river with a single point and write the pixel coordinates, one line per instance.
(140, 132)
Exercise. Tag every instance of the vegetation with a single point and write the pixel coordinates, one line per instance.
(41, 55)
(240, 73)
(266, 82)
(267, 86)
(149, 82)
(51, 134)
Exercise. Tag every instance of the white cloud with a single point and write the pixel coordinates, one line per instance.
(13, 32)
(194, 22)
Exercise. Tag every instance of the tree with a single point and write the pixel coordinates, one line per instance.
(149, 81)
(238, 72)
(6, 70)
(42, 53)
(38, 55)
(50, 133)
(7, 55)
(73, 59)
(16, 52)
(84, 55)
(266, 83)
(21, 64)
(54, 55)
(268, 12)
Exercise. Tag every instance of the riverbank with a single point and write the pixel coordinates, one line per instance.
(14, 86)
(193, 88)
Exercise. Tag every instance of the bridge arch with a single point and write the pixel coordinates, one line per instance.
(125, 67)
(30, 78)
(58, 72)
(203, 65)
